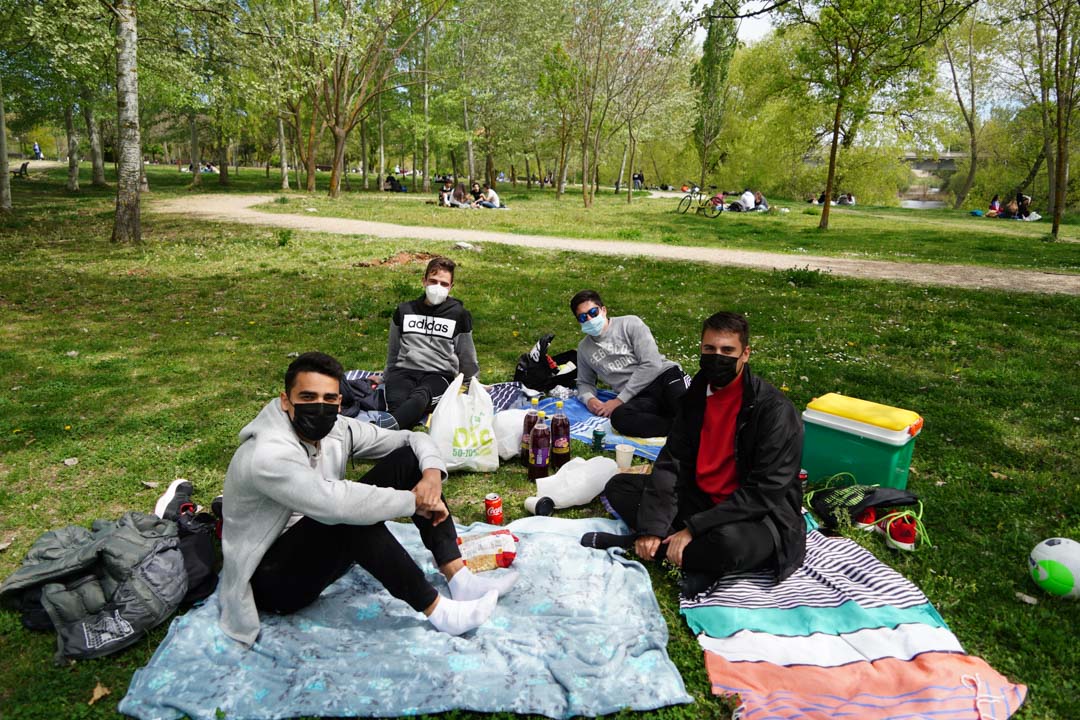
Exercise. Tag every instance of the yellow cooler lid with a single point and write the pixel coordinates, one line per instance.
(871, 413)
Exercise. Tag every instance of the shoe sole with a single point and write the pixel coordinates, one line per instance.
(163, 502)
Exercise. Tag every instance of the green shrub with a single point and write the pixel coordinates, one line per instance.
(802, 276)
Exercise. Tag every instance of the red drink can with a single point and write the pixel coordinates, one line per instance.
(493, 508)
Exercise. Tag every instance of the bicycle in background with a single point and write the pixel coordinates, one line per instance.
(708, 204)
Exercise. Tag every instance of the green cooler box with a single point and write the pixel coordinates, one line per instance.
(872, 442)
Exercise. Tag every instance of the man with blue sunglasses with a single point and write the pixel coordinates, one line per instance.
(621, 352)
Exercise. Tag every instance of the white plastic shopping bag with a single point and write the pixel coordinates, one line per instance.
(508, 427)
(462, 428)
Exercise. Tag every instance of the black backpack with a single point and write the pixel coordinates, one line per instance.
(539, 371)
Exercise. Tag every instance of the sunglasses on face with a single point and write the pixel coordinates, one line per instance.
(590, 313)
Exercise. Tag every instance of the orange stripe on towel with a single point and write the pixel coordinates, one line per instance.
(948, 686)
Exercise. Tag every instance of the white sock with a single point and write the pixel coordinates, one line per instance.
(467, 586)
(455, 617)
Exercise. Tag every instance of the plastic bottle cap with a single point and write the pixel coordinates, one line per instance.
(536, 401)
(558, 404)
(542, 414)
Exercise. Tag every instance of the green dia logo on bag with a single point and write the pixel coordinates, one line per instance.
(469, 442)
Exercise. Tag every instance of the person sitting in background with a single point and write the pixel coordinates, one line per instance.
(995, 207)
(475, 193)
(821, 198)
(1010, 211)
(760, 203)
(489, 198)
(745, 203)
(850, 199)
(1023, 205)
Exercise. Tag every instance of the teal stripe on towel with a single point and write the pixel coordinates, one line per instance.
(722, 622)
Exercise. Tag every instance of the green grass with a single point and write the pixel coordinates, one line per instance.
(940, 236)
(180, 341)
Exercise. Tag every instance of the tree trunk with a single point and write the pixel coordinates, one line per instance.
(196, 161)
(365, 151)
(381, 179)
(528, 173)
(1044, 107)
(127, 224)
(468, 141)
(97, 163)
(586, 196)
(165, 147)
(5, 173)
(427, 131)
(513, 176)
(565, 168)
(340, 136)
(622, 168)
(560, 170)
(72, 149)
(824, 224)
(283, 151)
(311, 148)
(453, 166)
(296, 166)
(633, 152)
(489, 169)
(539, 170)
(223, 160)
(415, 146)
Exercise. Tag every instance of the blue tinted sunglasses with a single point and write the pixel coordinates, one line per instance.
(590, 313)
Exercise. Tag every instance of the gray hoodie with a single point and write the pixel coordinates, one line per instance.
(624, 356)
(273, 475)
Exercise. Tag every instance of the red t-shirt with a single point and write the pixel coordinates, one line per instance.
(716, 474)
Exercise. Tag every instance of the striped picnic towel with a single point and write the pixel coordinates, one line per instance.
(844, 636)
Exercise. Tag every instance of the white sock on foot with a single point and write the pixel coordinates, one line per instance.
(455, 617)
(467, 586)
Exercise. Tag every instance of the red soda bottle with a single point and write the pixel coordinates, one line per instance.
(526, 429)
(539, 447)
(560, 437)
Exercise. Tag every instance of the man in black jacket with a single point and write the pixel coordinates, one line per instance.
(724, 495)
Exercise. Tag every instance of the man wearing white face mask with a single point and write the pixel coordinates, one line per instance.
(621, 352)
(430, 343)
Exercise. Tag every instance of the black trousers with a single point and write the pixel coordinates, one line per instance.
(651, 411)
(409, 394)
(729, 548)
(310, 555)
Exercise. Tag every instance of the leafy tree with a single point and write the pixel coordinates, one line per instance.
(864, 53)
(709, 76)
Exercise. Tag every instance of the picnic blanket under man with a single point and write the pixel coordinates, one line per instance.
(581, 634)
(844, 636)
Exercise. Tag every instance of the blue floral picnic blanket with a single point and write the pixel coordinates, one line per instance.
(581, 634)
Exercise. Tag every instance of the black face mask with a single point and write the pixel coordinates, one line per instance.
(718, 369)
(313, 421)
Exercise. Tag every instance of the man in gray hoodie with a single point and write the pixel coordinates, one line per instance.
(621, 352)
(293, 525)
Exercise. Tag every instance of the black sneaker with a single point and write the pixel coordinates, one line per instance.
(175, 500)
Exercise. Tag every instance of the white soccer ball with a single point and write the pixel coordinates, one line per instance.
(1055, 567)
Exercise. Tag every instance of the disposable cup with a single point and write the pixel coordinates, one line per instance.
(624, 455)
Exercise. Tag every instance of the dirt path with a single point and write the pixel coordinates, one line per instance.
(237, 208)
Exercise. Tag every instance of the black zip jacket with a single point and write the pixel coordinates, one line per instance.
(768, 453)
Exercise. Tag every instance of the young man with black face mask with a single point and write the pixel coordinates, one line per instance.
(430, 343)
(293, 525)
(724, 495)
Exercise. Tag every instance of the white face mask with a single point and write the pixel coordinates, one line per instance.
(436, 294)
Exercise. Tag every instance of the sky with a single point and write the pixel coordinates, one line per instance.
(754, 28)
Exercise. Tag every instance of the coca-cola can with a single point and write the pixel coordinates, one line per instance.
(493, 508)
(803, 478)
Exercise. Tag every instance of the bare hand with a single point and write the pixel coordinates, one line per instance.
(429, 490)
(604, 409)
(646, 546)
(676, 544)
(439, 513)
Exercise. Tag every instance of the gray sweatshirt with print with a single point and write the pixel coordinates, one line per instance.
(624, 356)
(274, 475)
